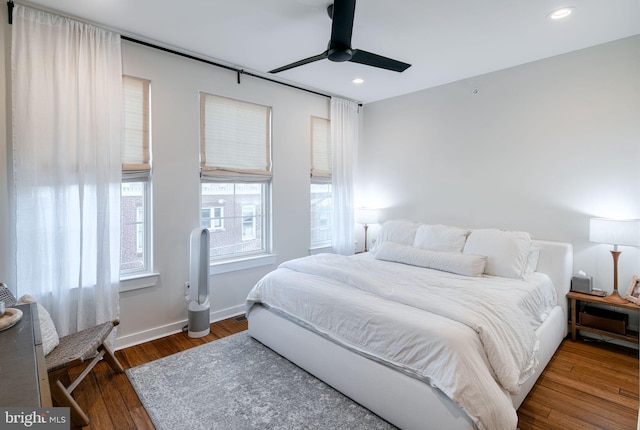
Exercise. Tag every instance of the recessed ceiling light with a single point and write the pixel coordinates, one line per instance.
(561, 13)
(358, 81)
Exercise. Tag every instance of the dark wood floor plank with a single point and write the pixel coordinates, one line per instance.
(166, 346)
(601, 362)
(584, 407)
(534, 408)
(118, 410)
(603, 388)
(184, 342)
(561, 363)
(611, 356)
(128, 393)
(141, 418)
(90, 399)
(591, 403)
(229, 327)
(133, 356)
(552, 422)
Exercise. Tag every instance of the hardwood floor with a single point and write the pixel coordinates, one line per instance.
(586, 385)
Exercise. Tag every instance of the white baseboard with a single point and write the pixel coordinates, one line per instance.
(126, 341)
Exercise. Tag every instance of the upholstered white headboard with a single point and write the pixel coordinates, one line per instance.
(556, 260)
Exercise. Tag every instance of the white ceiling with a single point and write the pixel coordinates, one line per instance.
(444, 40)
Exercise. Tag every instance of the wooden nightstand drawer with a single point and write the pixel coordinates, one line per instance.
(576, 298)
(603, 319)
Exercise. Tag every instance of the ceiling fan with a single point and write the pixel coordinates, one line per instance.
(339, 49)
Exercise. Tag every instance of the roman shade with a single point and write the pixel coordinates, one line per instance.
(320, 150)
(235, 140)
(135, 143)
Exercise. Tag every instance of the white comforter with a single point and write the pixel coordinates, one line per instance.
(471, 337)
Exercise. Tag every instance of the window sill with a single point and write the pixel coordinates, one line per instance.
(320, 249)
(138, 281)
(226, 266)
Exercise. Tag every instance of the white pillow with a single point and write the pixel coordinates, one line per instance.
(532, 259)
(48, 330)
(441, 238)
(507, 251)
(461, 264)
(398, 231)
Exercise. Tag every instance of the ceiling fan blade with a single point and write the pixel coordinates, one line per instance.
(342, 23)
(300, 63)
(342, 13)
(375, 60)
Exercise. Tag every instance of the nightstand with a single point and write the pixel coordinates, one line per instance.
(576, 298)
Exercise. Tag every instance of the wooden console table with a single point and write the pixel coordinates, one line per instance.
(576, 298)
(22, 363)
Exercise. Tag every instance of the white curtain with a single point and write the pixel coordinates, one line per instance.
(344, 147)
(67, 98)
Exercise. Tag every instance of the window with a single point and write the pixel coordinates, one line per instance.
(136, 170)
(133, 234)
(320, 215)
(216, 219)
(140, 236)
(248, 222)
(212, 217)
(321, 195)
(241, 220)
(235, 166)
(205, 218)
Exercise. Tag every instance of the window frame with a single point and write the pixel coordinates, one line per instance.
(265, 237)
(141, 236)
(147, 243)
(252, 209)
(320, 174)
(139, 171)
(320, 243)
(215, 217)
(237, 176)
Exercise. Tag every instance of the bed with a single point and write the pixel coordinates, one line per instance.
(402, 331)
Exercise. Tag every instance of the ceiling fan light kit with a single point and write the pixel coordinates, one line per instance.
(342, 13)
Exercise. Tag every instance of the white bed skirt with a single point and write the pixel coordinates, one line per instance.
(405, 402)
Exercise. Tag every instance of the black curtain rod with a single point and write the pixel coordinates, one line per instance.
(224, 66)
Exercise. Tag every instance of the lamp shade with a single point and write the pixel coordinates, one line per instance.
(366, 216)
(615, 232)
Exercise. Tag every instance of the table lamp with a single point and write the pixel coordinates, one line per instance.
(615, 232)
(366, 216)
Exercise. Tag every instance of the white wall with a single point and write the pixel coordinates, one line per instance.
(542, 147)
(175, 86)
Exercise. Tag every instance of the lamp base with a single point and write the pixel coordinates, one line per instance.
(615, 298)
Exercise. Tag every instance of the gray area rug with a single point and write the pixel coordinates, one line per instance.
(236, 383)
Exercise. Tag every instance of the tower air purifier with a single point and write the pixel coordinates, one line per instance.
(198, 297)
